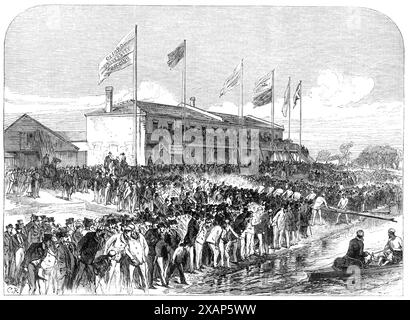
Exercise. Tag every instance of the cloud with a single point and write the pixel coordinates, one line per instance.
(336, 89)
(20, 103)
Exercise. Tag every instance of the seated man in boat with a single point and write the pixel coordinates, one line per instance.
(355, 254)
(393, 250)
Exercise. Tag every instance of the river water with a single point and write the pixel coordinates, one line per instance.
(286, 273)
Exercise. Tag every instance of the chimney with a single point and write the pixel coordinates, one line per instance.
(192, 99)
(108, 99)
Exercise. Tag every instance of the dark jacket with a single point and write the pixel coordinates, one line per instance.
(37, 251)
(193, 229)
(356, 249)
(88, 247)
(19, 241)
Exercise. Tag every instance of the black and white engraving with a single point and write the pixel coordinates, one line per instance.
(203, 150)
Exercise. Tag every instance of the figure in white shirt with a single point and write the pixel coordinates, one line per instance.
(277, 192)
(342, 205)
(311, 195)
(316, 208)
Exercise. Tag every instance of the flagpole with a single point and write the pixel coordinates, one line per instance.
(184, 75)
(135, 97)
(240, 117)
(184, 102)
(289, 108)
(241, 109)
(300, 129)
(273, 113)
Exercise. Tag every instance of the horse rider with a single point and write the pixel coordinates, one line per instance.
(45, 161)
(393, 250)
(107, 160)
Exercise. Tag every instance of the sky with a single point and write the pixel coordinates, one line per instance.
(350, 61)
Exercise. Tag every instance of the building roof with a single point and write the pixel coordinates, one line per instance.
(67, 120)
(42, 126)
(73, 136)
(191, 113)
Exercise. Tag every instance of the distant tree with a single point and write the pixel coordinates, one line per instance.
(381, 157)
(345, 153)
(323, 156)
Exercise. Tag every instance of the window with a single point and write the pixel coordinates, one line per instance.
(154, 125)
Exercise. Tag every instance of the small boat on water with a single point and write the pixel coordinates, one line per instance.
(330, 273)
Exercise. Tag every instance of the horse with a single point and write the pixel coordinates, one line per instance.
(45, 277)
(50, 172)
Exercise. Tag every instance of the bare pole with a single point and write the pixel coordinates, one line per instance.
(184, 103)
(241, 108)
(288, 97)
(135, 96)
(300, 122)
(184, 76)
(273, 112)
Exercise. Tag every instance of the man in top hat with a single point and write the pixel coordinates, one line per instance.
(87, 249)
(23, 228)
(46, 225)
(78, 232)
(85, 176)
(35, 183)
(97, 187)
(8, 254)
(36, 232)
(19, 244)
(152, 237)
(123, 161)
(192, 232)
(107, 160)
(33, 258)
(66, 261)
(69, 223)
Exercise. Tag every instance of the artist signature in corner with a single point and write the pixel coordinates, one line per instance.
(12, 290)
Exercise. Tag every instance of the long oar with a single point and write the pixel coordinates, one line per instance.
(359, 214)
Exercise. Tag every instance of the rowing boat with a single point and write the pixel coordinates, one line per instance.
(330, 273)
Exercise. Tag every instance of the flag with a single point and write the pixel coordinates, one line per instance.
(232, 80)
(286, 100)
(119, 58)
(297, 94)
(175, 56)
(262, 94)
